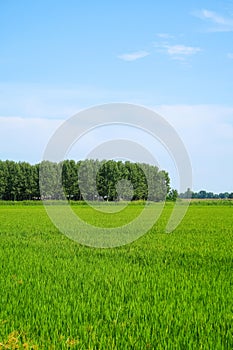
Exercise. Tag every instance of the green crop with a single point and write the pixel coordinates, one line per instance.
(164, 291)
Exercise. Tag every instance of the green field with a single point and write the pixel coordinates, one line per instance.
(164, 291)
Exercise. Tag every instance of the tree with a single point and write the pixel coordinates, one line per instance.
(70, 179)
(188, 194)
(137, 177)
(2, 180)
(172, 195)
(26, 181)
(87, 179)
(51, 180)
(12, 177)
(224, 195)
(107, 178)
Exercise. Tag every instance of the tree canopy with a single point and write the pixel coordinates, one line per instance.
(206, 195)
(89, 179)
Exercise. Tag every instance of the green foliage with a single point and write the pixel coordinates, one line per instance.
(205, 195)
(172, 195)
(161, 292)
(89, 180)
(18, 181)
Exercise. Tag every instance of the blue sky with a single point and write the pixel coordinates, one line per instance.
(58, 57)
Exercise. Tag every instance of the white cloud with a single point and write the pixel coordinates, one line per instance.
(180, 52)
(24, 139)
(35, 101)
(207, 133)
(133, 56)
(164, 36)
(221, 23)
(214, 17)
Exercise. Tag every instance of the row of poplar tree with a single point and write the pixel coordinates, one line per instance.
(89, 179)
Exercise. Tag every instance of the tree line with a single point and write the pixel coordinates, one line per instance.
(89, 179)
(206, 195)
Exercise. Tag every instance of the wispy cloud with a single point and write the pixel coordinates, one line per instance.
(214, 17)
(179, 52)
(133, 56)
(164, 36)
(221, 23)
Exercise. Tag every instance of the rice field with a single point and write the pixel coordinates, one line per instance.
(163, 291)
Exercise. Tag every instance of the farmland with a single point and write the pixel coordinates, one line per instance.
(163, 291)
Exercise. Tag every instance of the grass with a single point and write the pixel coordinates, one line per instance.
(164, 291)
